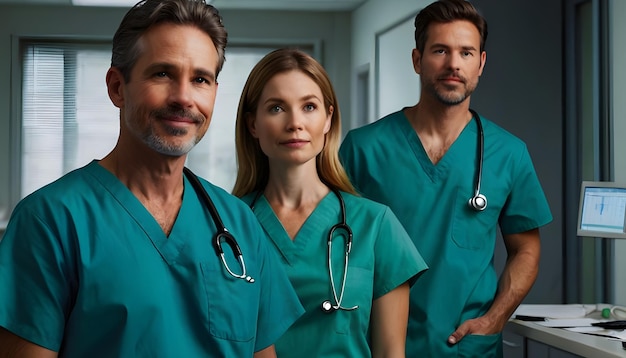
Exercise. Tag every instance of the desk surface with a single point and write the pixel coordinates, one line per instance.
(585, 345)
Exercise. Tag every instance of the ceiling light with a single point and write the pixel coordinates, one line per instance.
(112, 3)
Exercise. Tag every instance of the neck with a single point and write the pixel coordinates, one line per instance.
(439, 120)
(438, 127)
(152, 177)
(294, 188)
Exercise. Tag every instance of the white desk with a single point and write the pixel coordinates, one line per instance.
(578, 344)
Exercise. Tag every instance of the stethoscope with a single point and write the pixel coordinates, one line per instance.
(327, 306)
(478, 202)
(223, 235)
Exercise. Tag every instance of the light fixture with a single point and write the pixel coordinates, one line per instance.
(112, 3)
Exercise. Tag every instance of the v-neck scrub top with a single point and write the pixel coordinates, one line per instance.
(87, 271)
(387, 163)
(382, 258)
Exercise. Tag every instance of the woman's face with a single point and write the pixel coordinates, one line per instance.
(291, 121)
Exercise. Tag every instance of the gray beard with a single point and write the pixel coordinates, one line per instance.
(157, 144)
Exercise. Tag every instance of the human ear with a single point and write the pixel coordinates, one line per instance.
(251, 124)
(115, 86)
(416, 58)
(329, 119)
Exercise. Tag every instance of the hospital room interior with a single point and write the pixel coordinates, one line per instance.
(553, 77)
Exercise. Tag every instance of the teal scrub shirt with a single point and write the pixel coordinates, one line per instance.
(457, 242)
(85, 270)
(382, 258)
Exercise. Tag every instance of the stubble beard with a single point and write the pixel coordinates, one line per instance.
(448, 96)
(159, 144)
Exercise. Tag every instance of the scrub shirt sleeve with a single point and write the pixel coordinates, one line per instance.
(279, 304)
(397, 259)
(526, 207)
(35, 280)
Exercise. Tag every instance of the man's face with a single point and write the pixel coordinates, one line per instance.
(168, 102)
(452, 62)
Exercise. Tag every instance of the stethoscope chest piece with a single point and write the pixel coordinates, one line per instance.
(478, 202)
(327, 307)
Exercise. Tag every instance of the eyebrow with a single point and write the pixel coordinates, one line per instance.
(465, 48)
(164, 66)
(280, 100)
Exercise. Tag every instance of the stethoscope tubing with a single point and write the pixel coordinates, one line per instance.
(327, 306)
(223, 235)
(478, 201)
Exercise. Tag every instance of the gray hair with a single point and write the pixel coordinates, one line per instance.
(147, 13)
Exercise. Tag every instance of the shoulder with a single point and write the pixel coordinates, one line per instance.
(500, 135)
(365, 207)
(224, 199)
(385, 123)
(62, 191)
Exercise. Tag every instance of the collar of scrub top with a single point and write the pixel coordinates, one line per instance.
(342, 226)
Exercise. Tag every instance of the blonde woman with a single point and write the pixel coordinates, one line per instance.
(348, 258)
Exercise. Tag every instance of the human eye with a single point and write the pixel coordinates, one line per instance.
(275, 109)
(439, 51)
(309, 107)
(160, 74)
(467, 53)
(201, 80)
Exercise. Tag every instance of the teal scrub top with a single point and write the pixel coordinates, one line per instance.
(85, 270)
(457, 242)
(382, 258)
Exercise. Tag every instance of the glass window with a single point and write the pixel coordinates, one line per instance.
(68, 118)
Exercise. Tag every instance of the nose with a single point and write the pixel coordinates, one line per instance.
(294, 121)
(181, 94)
(454, 60)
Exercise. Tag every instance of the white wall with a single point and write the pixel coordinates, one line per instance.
(618, 83)
(372, 18)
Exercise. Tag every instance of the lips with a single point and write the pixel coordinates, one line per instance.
(294, 143)
(452, 79)
(180, 119)
(176, 115)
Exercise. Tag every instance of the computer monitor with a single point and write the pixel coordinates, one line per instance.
(602, 210)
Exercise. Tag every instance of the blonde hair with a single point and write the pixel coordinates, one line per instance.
(252, 163)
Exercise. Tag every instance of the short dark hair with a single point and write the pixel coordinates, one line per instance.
(444, 11)
(147, 13)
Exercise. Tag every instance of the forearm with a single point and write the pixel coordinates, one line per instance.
(12, 346)
(517, 278)
(388, 323)
(268, 352)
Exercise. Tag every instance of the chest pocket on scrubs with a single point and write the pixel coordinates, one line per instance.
(358, 292)
(231, 304)
(471, 228)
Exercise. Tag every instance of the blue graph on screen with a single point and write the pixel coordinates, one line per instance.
(604, 210)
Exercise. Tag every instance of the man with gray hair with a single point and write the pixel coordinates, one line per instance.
(133, 255)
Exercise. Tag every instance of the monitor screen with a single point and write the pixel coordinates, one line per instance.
(602, 210)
